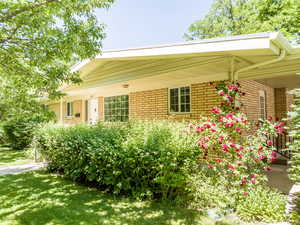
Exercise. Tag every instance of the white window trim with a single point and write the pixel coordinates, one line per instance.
(103, 105)
(262, 93)
(179, 100)
(72, 113)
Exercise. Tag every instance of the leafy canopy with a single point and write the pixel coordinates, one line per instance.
(39, 41)
(234, 17)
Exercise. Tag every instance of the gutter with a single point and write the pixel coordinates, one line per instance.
(235, 74)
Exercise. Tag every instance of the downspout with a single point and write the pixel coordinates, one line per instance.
(235, 74)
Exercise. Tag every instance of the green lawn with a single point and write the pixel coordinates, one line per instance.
(9, 157)
(41, 198)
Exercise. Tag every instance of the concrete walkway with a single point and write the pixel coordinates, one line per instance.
(21, 168)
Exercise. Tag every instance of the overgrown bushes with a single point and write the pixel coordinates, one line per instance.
(218, 162)
(294, 131)
(142, 159)
(18, 132)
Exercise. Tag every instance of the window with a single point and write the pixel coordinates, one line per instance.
(116, 108)
(262, 105)
(180, 100)
(70, 108)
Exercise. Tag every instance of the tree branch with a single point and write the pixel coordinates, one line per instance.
(24, 9)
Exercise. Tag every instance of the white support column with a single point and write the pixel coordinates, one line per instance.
(61, 114)
(232, 77)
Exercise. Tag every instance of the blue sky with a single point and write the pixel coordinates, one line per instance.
(138, 23)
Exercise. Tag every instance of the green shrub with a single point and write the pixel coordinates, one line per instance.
(142, 159)
(260, 204)
(18, 132)
(295, 214)
(294, 131)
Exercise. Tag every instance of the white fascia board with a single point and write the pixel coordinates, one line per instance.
(76, 67)
(259, 41)
(194, 48)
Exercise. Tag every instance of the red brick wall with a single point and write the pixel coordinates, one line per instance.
(153, 104)
(251, 100)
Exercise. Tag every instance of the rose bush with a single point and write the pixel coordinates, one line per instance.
(235, 152)
(228, 144)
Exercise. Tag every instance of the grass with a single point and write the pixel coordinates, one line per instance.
(41, 198)
(9, 157)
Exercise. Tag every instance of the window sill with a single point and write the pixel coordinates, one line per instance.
(180, 113)
(69, 117)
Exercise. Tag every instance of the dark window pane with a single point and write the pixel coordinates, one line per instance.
(185, 99)
(116, 108)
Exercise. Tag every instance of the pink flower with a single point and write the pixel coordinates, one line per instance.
(219, 160)
(278, 125)
(238, 129)
(253, 181)
(253, 175)
(216, 110)
(204, 146)
(245, 193)
(244, 181)
(239, 155)
(274, 154)
(213, 130)
(230, 166)
(262, 157)
(231, 99)
(231, 124)
(210, 166)
(272, 159)
(225, 147)
(232, 145)
(221, 93)
(199, 129)
(269, 142)
(269, 118)
(280, 130)
(232, 87)
(207, 125)
(229, 115)
(268, 168)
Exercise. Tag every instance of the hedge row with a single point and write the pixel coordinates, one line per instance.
(142, 159)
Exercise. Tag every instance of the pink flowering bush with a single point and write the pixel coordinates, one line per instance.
(228, 144)
(234, 152)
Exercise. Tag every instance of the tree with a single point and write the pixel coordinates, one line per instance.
(39, 41)
(234, 17)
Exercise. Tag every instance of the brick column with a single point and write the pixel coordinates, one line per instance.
(281, 103)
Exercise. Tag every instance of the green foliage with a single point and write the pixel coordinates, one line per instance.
(262, 204)
(294, 131)
(141, 159)
(18, 132)
(39, 41)
(295, 213)
(234, 17)
(208, 190)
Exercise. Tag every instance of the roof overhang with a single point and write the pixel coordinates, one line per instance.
(197, 61)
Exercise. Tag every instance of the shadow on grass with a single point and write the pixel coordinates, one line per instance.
(41, 198)
(9, 156)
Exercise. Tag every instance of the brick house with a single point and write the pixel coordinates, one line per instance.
(172, 81)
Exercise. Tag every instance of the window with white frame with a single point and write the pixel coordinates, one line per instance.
(116, 108)
(262, 105)
(70, 106)
(180, 100)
